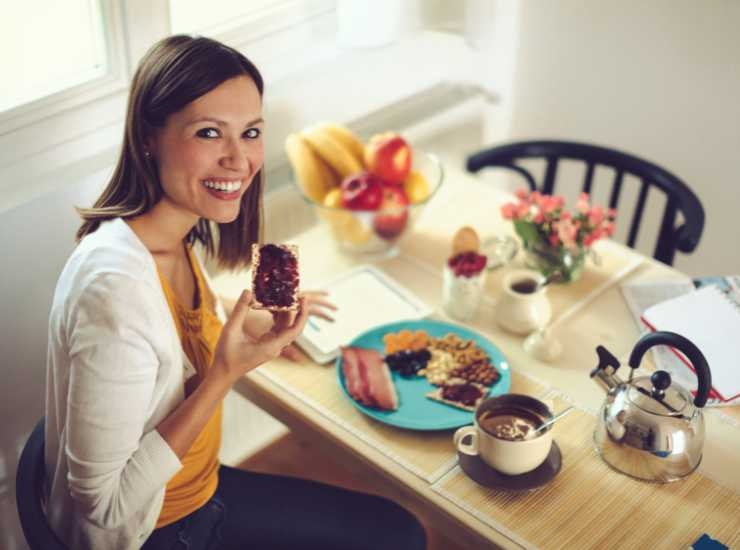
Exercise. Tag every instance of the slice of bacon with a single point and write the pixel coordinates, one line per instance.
(357, 384)
(378, 376)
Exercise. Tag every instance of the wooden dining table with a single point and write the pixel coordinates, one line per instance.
(587, 505)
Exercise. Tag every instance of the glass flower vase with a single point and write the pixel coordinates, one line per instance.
(565, 263)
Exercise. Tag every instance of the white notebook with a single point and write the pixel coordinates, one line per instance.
(365, 298)
(711, 320)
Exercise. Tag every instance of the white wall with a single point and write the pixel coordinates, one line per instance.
(659, 79)
(36, 240)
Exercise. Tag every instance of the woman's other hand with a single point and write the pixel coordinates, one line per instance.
(317, 306)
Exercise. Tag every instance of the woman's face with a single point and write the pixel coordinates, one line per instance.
(209, 152)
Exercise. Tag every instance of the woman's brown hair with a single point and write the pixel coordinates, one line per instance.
(174, 72)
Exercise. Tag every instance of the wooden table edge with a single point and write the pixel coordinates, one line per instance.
(297, 415)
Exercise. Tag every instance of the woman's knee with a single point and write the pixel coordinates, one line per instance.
(401, 529)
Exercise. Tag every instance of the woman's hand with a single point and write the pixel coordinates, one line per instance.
(239, 350)
(317, 302)
(317, 306)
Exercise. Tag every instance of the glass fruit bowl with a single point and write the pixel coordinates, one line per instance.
(378, 232)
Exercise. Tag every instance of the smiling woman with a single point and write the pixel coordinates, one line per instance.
(194, 111)
(141, 354)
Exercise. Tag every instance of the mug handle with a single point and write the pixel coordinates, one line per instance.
(471, 448)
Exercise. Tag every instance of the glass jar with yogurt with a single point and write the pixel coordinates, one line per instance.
(463, 281)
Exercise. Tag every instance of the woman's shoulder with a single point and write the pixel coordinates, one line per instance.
(110, 260)
(112, 248)
(115, 247)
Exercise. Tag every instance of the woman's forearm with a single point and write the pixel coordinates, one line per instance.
(184, 424)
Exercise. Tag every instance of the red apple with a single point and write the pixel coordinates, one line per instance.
(361, 191)
(391, 220)
(388, 156)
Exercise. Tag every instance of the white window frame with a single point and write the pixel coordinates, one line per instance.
(39, 137)
(112, 81)
(125, 47)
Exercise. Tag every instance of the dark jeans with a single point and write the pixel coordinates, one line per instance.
(265, 512)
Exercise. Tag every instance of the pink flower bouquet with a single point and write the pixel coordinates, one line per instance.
(556, 239)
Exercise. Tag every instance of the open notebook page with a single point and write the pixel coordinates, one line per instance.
(365, 298)
(712, 322)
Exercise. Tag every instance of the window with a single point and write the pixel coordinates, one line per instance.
(213, 18)
(31, 68)
(67, 65)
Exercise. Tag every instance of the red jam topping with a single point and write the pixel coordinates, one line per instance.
(467, 394)
(277, 277)
(467, 264)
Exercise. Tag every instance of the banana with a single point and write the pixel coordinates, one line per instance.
(333, 152)
(314, 176)
(344, 135)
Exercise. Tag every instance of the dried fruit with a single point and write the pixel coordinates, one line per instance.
(408, 362)
(405, 339)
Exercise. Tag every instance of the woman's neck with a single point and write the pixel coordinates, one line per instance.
(163, 228)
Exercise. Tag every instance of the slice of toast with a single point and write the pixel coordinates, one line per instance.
(436, 395)
(275, 282)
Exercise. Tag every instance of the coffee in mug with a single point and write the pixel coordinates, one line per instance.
(523, 305)
(503, 434)
(524, 286)
(511, 423)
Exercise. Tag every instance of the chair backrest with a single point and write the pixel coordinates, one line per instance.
(679, 198)
(29, 487)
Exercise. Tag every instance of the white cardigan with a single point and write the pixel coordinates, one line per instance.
(115, 370)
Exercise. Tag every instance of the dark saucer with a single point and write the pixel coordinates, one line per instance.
(482, 473)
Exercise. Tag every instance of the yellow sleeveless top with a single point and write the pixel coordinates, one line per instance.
(199, 330)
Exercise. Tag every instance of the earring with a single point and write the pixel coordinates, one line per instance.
(147, 154)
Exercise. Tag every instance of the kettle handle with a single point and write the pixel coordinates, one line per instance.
(685, 346)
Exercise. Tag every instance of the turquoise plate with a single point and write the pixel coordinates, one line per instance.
(416, 411)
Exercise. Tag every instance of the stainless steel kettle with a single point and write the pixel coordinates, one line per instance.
(650, 427)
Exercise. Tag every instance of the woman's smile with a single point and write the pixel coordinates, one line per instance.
(225, 190)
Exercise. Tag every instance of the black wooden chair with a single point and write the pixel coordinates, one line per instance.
(29, 487)
(679, 198)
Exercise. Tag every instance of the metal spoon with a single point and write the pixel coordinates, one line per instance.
(554, 277)
(561, 414)
(543, 345)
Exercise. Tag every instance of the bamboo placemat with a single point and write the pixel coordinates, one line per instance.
(428, 455)
(588, 505)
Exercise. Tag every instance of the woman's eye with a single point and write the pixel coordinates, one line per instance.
(253, 133)
(207, 133)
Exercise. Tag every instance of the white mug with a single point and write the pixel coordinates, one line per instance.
(520, 312)
(508, 457)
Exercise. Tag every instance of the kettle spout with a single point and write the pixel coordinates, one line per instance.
(605, 372)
